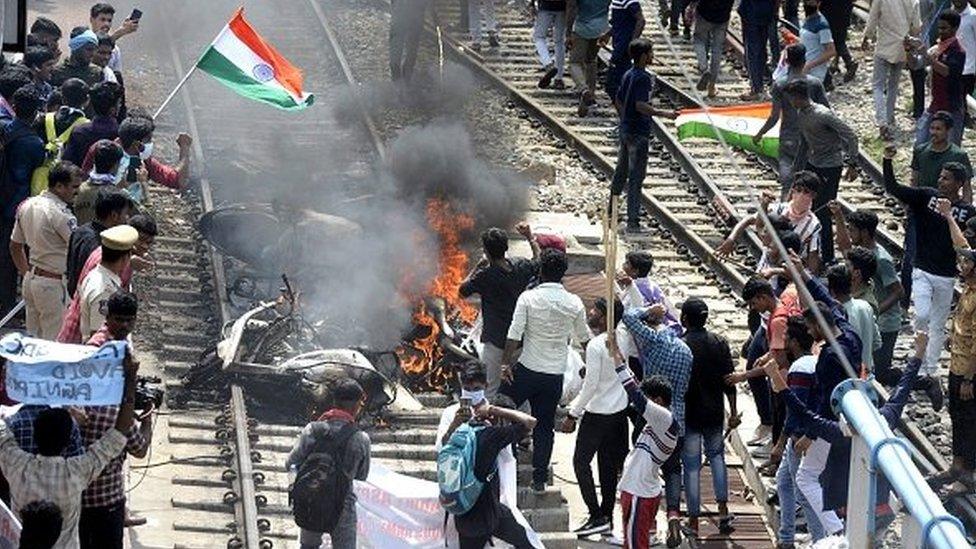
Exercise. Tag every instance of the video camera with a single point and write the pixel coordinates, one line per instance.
(148, 393)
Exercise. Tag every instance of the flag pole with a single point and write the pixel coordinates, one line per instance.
(173, 93)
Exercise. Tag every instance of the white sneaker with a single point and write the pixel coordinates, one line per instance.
(760, 435)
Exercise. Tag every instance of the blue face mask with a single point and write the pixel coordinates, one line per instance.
(476, 397)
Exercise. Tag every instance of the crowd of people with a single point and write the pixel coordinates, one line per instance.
(659, 388)
(686, 372)
(77, 173)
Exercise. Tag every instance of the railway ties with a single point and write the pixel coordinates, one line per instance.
(699, 168)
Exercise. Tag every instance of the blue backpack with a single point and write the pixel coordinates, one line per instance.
(459, 488)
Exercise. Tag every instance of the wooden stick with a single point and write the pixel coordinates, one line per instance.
(612, 262)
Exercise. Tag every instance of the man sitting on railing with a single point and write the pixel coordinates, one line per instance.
(836, 476)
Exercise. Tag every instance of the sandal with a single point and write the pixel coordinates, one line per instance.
(769, 468)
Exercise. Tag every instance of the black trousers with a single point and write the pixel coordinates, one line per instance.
(8, 271)
(918, 91)
(883, 357)
(508, 530)
(830, 178)
(406, 26)
(839, 19)
(963, 415)
(605, 436)
(542, 391)
(101, 527)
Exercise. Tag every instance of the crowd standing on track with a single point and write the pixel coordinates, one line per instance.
(78, 170)
(76, 173)
(853, 278)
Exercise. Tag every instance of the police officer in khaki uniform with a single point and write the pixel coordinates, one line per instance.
(44, 224)
(105, 279)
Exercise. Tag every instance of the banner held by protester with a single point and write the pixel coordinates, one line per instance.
(58, 374)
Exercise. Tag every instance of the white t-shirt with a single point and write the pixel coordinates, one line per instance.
(642, 476)
(807, 228)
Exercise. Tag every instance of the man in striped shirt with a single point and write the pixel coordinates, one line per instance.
(640, 483)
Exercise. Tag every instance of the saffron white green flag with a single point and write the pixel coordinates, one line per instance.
(244, 62)
(737, 125)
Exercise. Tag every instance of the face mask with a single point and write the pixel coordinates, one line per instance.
(476, 397)
(147, 149)
(123, 168)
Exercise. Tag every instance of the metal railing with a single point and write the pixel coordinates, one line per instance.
(875, 448)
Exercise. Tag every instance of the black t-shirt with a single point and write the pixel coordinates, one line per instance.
(499, 289)
(933, 243)
(704, 402)
(482, 519)
(715, 11)
(552, 5)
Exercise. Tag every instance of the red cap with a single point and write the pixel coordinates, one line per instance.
(551, 241)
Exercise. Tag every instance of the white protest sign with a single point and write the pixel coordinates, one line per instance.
(58, 374)
(395, 510)
(9, 529)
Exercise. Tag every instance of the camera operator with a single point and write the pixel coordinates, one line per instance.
(103, 502)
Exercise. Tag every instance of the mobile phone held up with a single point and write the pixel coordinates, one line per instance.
(465, 402)
(136, 14)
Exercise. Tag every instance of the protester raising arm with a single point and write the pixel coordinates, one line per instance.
(819, 427)
(909, 195)
(958, 238)
(842, 236)
(634, 319)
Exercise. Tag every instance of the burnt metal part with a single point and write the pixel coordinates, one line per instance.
(249, 530)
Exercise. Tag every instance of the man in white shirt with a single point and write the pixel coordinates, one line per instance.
(967, 38)
(602, 405)
(889, 22)
(546, 318)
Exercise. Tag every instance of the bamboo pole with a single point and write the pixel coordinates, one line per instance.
(610, 245)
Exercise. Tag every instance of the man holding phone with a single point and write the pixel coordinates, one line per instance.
(101, 17)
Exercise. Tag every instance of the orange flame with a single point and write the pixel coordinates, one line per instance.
(420, 357)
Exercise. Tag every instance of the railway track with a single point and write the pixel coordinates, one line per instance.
(227, 481)
(692, 187)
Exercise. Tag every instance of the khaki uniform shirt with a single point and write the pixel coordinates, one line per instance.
(90, 73)
(44, 223)
(84, 205)
(963, 361)
(99, 285)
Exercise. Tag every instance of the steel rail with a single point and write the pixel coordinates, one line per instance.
(244, 497)
(868, 166)
(929, 458)
(587, 150)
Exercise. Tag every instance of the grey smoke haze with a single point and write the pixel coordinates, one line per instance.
(354, 283)
(431, 92)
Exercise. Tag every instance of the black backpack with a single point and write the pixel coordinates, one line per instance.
(319, 492)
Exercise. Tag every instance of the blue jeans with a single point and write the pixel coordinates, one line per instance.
(788, 496)
(631, 169)
(691, 459)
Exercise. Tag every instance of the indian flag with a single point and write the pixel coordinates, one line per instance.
(737, 125)
(246, 63)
